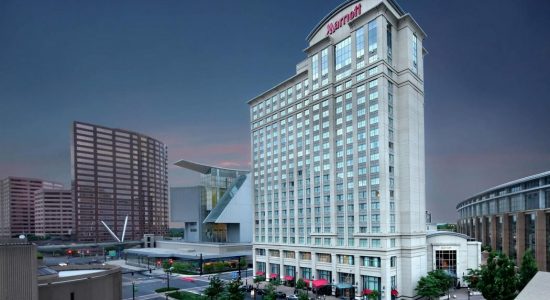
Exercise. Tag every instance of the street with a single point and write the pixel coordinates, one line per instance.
(147, 284)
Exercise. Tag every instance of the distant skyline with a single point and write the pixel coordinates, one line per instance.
(182, 72)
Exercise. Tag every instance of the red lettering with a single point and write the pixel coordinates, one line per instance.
(332, 27)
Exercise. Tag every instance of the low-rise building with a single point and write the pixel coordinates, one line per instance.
(18, 270)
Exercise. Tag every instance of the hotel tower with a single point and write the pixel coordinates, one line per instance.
(338, 157)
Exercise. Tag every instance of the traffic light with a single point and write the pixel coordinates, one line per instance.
(69, 251)
(150, 271)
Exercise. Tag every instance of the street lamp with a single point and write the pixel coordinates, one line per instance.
(168, 276)
(133, 290)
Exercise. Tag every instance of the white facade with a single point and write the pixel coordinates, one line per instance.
(338, 156)
(453, 252)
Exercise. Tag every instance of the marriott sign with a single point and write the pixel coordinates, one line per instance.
(333, 26)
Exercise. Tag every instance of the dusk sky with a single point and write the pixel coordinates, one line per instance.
(182, 72)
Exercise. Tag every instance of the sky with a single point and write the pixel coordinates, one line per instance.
(183, 71)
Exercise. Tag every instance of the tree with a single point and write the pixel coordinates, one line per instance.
(444, 280)
(215, 288)
(303, 296)
(301, 284)
(437, 282)
(428, 287)
(497, 280)
(270, 292)
(527, 270)
(233, 291)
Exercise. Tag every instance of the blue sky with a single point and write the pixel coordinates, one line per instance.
(182, 72)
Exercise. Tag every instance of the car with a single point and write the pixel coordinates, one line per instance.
(280, 295)
(260, 292)
(246, 288)
(292, 297)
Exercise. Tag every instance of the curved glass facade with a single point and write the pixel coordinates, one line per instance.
(511, 218)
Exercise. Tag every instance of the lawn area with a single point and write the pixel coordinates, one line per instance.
(185, 296)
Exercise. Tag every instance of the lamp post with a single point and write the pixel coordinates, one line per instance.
(133, 290)
(168, 277)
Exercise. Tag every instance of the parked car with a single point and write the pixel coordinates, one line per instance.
(280, 295)
(292, 297)
(246, 288)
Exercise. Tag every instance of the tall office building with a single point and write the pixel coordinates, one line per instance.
(118, 173)
(338, 157)
(17, 204)
(53, 212)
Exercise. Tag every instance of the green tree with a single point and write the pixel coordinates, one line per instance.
(429, 287)
(444, 280)
(473, 277)
(437, 282)
(233, 292)
(301, 284)
(270, 292)
(303, 296)
(215, 288)
(497, 279)
(527, 270)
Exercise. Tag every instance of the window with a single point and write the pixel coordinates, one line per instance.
(446, 260)
(315, 71)
(360, 47)
(343, 59)
(376, 243)
(414, 53)
(324, 66)
(373, 44)
(369, 261)
(389, 42)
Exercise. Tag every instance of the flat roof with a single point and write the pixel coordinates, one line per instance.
(189, 254)
(201, 168)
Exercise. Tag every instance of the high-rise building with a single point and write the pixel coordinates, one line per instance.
(53, 212)
(17, 204)
(118, 173)
(338, 157)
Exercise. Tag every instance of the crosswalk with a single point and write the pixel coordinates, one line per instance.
(142, 281)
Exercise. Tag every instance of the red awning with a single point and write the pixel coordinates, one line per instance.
(319, 283)
(260, 273)
(273, 275)
(307, 282)
(289, 278)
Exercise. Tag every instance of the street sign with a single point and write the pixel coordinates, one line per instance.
(234, 275)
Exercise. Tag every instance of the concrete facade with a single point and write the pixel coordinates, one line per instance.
(18, 265)
(338, 156)
(511, 218)
(185, 211)
(106, 284)
(225, 206)
(54, 212)
(118, 173)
